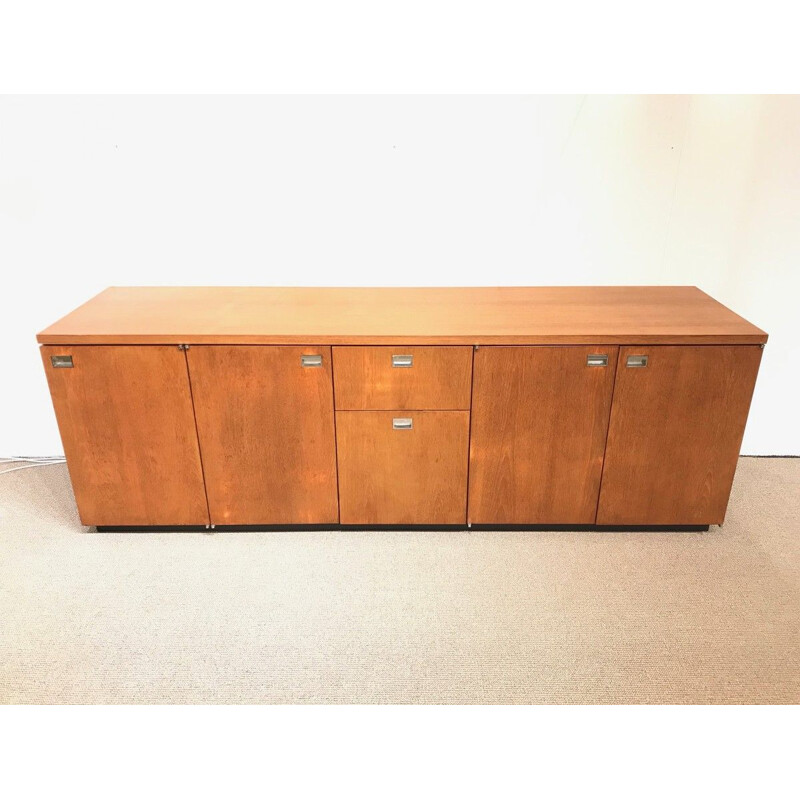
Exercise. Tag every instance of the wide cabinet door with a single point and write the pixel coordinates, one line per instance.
(127, 426)
(265, 423)
(539, 423)
(403, 467)
(676, 428)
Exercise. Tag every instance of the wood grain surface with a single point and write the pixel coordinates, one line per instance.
(675, 432)
(402, 477)
(539, 424)
(266, 432)
(127, 426)
(477, 315)
(440, 378)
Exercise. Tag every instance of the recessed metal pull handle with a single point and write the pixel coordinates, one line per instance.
(311, 361)
(61, 361)
(597, 360)
(402, 423)
(402, 361)
(636, 361)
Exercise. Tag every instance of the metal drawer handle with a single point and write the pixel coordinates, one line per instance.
(636, 361)
(61, 361)
(402, 361)
(597, 360)
(402, 423)
(311, 361)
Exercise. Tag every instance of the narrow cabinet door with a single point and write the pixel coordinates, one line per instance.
(127, 426)
(265, 423)
(676, 428)
(539, 424)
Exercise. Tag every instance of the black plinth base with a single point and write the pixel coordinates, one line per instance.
(337, 527)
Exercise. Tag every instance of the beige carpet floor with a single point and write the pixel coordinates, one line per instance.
(401, 617)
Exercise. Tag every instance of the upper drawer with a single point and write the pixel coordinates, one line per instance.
(400, 377)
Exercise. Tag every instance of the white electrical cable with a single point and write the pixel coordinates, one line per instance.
(30, 461)
(29, 466)
(32, 458)
(27, 461)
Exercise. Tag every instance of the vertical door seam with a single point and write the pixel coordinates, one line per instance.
(608, 431)
(469, 431)
(335, 440)
(197, 434)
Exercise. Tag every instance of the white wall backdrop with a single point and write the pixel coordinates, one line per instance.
(398, 190)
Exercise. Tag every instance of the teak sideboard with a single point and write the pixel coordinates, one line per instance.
(557, 406)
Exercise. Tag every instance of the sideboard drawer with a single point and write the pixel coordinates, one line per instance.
(400, 377)
(402, 468)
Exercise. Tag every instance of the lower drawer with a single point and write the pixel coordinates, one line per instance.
(402, 467)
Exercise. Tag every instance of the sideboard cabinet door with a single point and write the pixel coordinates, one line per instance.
(676, 427)
(265, 423)
(539, 424)
(403, 467)
(127, 426)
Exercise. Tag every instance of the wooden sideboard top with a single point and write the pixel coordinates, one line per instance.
(475, 315)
